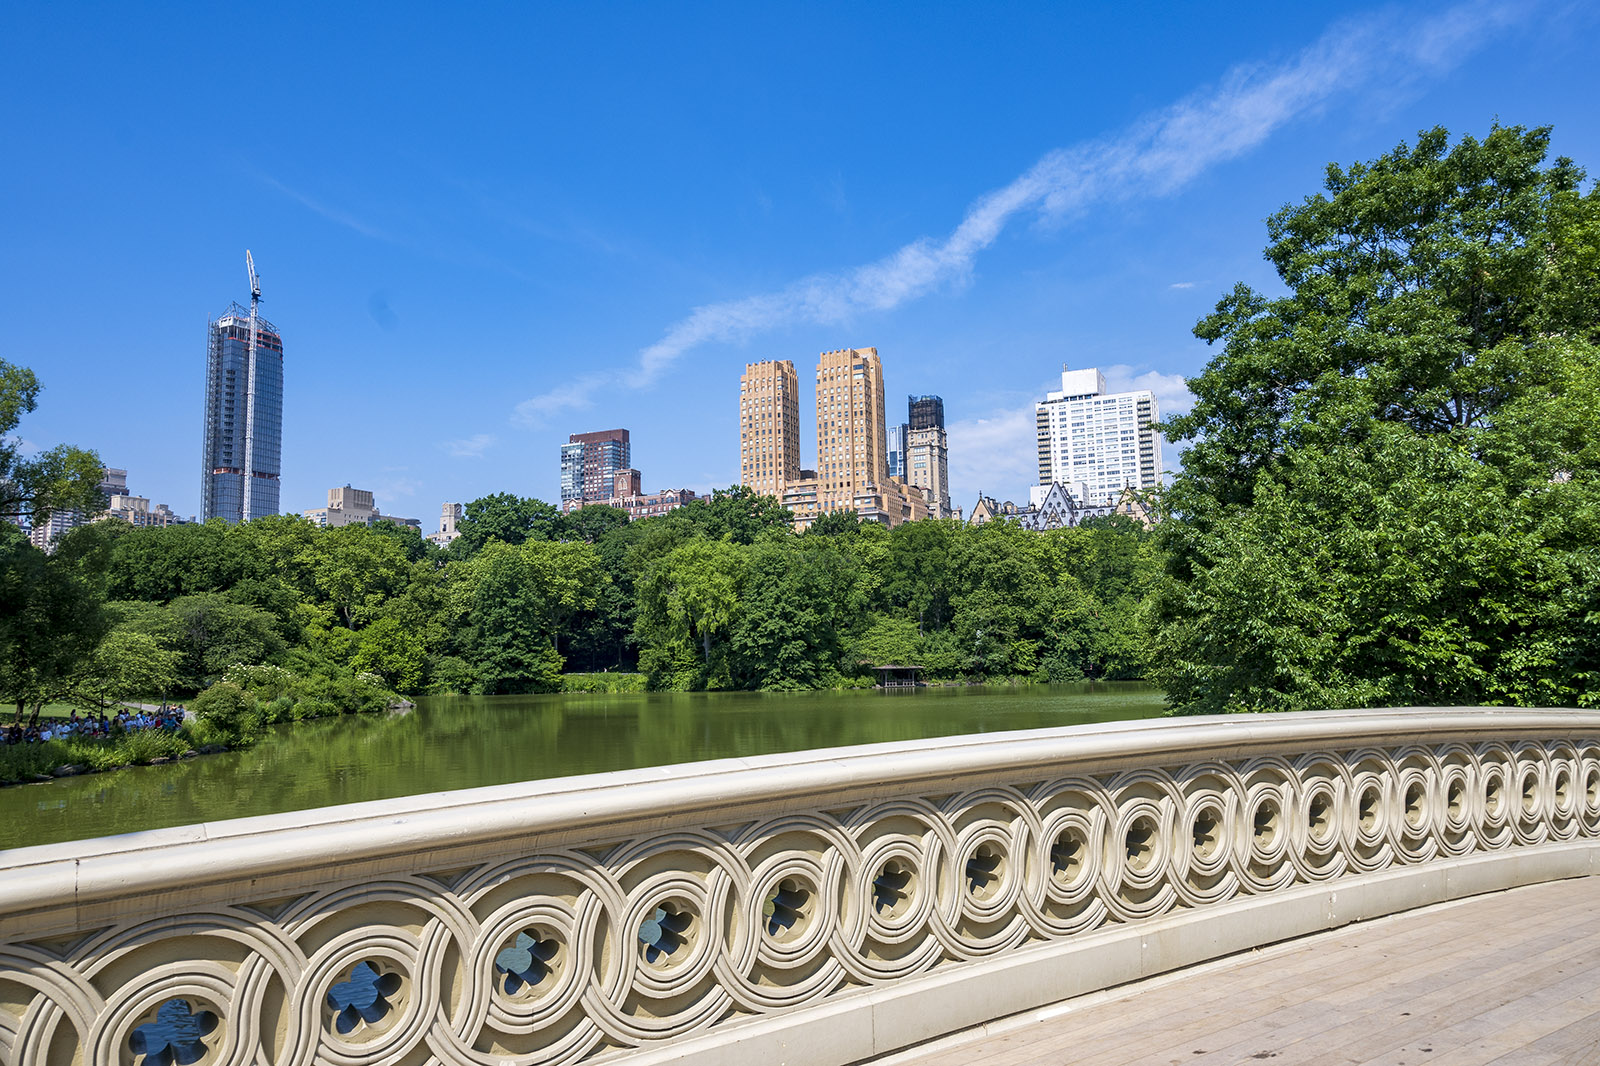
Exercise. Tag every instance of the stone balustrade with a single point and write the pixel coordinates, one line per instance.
(814, 908)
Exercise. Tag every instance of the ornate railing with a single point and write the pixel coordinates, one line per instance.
(816, 908)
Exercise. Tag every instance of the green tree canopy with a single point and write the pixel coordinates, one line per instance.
(50, 622)
(508, 518)
(1393, 495)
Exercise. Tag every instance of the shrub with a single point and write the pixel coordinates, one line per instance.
(608, 682)
(227, 714)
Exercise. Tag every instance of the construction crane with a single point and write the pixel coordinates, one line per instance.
(250, 393)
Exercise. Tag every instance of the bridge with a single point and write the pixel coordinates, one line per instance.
(815, 909)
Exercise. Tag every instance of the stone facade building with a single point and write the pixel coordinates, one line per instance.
(769, 427)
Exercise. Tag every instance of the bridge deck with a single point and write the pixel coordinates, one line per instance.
(1512, 977)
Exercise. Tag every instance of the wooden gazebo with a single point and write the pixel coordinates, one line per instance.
(897, 676)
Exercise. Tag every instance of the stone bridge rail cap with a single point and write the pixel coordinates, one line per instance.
(633, 801)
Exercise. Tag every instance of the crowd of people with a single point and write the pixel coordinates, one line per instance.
(126, 720)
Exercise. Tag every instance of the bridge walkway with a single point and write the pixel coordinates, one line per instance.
(1507, 978)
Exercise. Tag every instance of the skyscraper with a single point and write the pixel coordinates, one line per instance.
(769, 427)
(927, 461)
(852, 471)
(232, 409)
(897, 450)
(1096, 443)
(590, 462)
(852, 453)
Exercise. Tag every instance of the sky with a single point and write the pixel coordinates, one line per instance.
(483, 227)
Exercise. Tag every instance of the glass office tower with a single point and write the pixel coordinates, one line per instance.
(228, 403)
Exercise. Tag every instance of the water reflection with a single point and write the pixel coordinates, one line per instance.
(465, 741)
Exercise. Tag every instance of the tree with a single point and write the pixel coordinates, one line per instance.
(515, 599)
(407, 538)
(686, 599)
(353, 570)
(50, 621)
(835, 524)
(1431, 288)
(393, 652)
(593, 521)
(794, 615)
(740, 514)
(126, 663)
(921, 570)
(1394, 491)
(507, 518)
(63, 478)
(161, 564)
(213, 633)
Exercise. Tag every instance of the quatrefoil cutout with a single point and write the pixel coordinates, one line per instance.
(177, 1036)
(363, 999)
(662, 933)
(526, 962)
(785, 907)
(981, 867)
(889, 887)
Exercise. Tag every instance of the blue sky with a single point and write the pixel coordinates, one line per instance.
(483, 227)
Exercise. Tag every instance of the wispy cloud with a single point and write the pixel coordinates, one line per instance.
(1181, 285)
(573, 396)
(1155, 157)
(332, 214)
(468, 448)
(393, 486)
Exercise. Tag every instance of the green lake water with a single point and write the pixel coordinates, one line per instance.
(466, 741)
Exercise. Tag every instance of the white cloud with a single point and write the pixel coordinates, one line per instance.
(1181, 285)
(573, 396)
(995, 454)
(1172, 395)
(468, 448)
(1154, 157)
(395, 487)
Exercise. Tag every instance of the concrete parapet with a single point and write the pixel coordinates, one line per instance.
(813, 908)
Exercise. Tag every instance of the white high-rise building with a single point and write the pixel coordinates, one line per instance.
(1103, 442)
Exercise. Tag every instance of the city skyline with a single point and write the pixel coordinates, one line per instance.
(608, 242)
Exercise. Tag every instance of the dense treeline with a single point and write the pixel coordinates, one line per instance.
(720, 594)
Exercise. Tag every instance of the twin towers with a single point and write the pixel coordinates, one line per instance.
(853, 443)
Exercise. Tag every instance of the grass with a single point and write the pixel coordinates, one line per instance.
(20, 762)
(61, 712)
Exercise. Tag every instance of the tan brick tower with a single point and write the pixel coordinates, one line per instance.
(769, 426)
(852, 455)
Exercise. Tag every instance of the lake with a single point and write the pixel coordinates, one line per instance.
(451, 742)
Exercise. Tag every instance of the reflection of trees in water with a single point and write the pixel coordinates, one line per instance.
(465, 741)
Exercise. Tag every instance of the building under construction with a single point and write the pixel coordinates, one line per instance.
(244, 424)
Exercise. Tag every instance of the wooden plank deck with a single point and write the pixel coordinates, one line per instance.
(1508, 978)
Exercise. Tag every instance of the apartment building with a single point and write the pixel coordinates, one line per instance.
(1105, 442)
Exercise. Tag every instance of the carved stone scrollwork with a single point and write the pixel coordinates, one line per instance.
(590, 947)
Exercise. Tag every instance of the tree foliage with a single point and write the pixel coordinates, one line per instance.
(1391, 497)
(62, 478)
